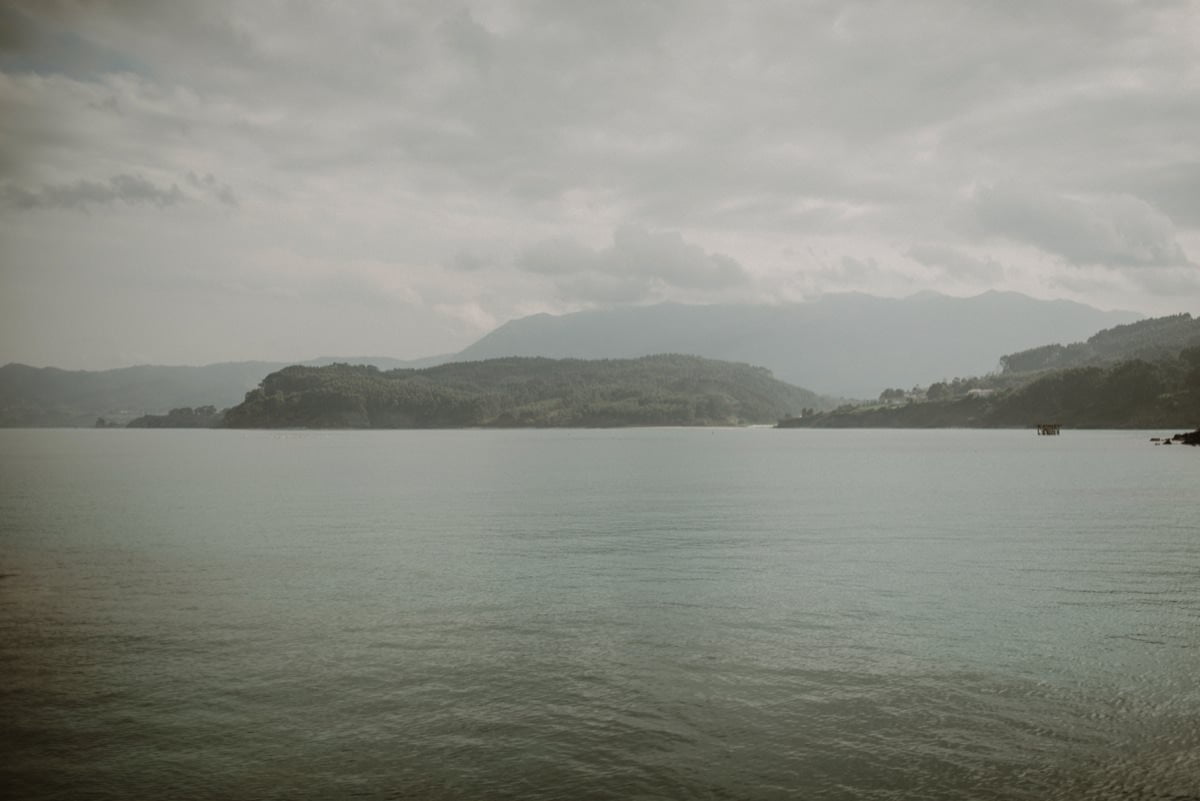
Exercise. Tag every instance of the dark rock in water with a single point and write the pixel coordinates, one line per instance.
(1189, 438)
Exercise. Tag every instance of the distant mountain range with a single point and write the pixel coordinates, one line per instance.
(848, 345)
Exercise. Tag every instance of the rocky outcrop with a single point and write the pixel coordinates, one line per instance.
(1189, 438)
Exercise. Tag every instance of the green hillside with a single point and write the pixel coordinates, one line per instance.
(850, 344)
(1152, 340)
(1142, 375)
(536, 392)
(48, 396)
(1127, 394)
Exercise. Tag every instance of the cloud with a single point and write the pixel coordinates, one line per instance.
(32, 40)
(955, 263)
(132, 190)
(1180, 282)
(559, 257)
(221, 192)
(80, 195)
(639, 265)
(853, 270)
(466, 261)
(441, 139)
(1109, 230)
(1172, 184)
(474, 317)
(16, 30)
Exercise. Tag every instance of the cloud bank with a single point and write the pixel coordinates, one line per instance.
(471, 162)
(639, 266)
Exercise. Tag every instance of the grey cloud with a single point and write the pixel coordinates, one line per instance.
(1172, 185)
(559, 257)
(17, 31)
(1115, 135)
(473, 41)
(605, 290)
(32, 40)
(1111, 230)
(466, 261)
(409, 131)
(668, 258)
(638, 263)
(854, 270)
(1085, 279)
(222, 192)
(826, 101)
(80, 195)
(860, 274)
(1182, 282)
(580, 274)
(956, 263)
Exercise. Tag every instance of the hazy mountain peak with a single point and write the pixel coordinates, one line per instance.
(847, 343)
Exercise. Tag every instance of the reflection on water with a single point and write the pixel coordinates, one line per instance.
(598, 614)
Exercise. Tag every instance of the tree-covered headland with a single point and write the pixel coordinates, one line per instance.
(1142, 375)
(180, 417)
(523, 392)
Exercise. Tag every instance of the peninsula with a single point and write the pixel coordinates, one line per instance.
(670, 389)
(1141, 375)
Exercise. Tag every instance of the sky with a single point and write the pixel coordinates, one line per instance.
(186, 183)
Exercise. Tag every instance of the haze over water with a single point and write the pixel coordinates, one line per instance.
(736, 613)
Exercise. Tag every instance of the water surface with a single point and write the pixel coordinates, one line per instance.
(662, 613)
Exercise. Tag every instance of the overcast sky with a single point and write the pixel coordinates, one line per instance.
(189, 182)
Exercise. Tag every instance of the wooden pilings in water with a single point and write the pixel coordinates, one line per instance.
(1048, 429)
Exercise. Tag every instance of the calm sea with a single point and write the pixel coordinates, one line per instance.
(622, 614)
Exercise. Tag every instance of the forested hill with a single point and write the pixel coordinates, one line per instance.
(48, 396)
(840, 344)
(1132, 393)
(1153, 340)
(535, 392)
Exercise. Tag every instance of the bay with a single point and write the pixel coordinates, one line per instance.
(633, 613)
